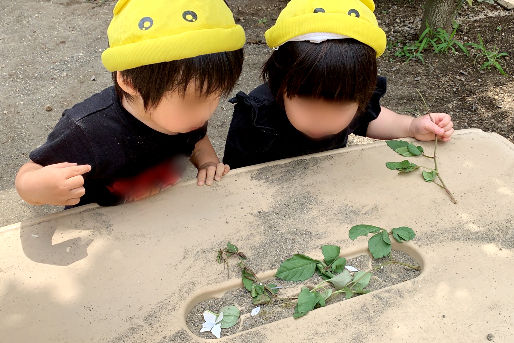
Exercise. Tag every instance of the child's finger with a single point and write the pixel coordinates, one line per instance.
(448, 134)
(219, 171)
(78, 170)
(444, 121)
(211, 172)
(202, 173)
(72, 202)
(448, 126)
(75, 182)
(434, 128)
(78, 192)
(63, 165)
(227, 169)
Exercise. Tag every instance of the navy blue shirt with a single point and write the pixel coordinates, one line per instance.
(127, 157)
(260, 131)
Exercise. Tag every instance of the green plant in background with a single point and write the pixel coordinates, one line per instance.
(491, 56)
(440, 41)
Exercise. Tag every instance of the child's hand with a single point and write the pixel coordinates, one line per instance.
(424, 129)
(57, 184)
(210, 171)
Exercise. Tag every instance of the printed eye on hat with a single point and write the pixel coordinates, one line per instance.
(144, 32)
(300, 20)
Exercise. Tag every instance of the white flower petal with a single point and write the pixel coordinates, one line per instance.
(209, 317)
(206, 327)
(255, 311)
(220, 318)
(216, 330)
(351, 269)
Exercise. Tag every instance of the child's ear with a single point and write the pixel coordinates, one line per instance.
(125, 85)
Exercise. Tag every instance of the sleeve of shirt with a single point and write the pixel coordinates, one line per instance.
(372, 109)
(66, 143)
(246, 144)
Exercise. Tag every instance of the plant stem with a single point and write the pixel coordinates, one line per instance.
(452, 198)
(320, 285)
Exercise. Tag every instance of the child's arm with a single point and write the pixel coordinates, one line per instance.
(56, 184)
(389, 125)
(206, 161)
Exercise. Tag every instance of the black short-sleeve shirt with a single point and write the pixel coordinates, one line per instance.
(127, 157)
(260, 131)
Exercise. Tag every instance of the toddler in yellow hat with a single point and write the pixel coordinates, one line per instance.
(171, 61)
(321, 85)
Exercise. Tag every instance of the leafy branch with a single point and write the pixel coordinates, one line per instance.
(407, 149)
(379, 244)
(338, 278)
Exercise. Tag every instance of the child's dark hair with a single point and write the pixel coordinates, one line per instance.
(334, 70)
(214, 73)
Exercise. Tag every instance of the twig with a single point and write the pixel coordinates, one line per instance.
(452, 198)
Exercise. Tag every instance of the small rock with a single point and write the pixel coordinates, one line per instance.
(93, 78)
(417, 78)
(48, 108)
(463, 72)
(460, 78)
(490, 336)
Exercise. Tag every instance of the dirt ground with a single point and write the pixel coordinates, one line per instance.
(50, 60)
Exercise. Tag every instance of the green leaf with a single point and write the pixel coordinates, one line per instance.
(261, 299)
(341, 280)
(396, 144)
(378, 247)
(248, 278)
(403, 166)
(362, 230)
(403, 234)
(429, 176)
(404, 148)
(404, 151)
(297, 268)
(338, 265)
(414, 150)
(361, 280)
(257, 290)
(349, 294)
(385, 237)
(323, 296)
(272, 288)
(231, 248)
(219, 257)
(307, 300)
(230, 316)
(330, 253)
(248, 284)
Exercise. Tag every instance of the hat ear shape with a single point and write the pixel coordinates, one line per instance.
(119, 6)
(369, 4)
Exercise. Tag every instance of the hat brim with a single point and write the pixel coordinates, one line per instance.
(167, 48)
(356, 28)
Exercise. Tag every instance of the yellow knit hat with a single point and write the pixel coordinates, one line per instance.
(350, 18)
(144, 32)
